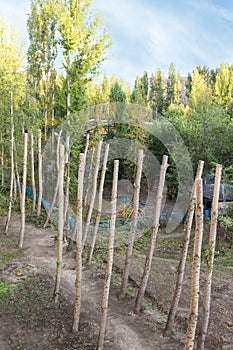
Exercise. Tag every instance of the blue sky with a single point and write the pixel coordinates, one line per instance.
(150, 34)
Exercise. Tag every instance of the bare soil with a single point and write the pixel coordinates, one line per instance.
(30, 320)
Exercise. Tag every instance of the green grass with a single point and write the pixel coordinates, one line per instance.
(6, 291)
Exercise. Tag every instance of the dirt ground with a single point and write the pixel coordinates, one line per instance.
(30, 320)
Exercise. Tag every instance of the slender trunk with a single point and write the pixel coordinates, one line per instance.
(210, 261)
(93, 195)
(108, 273)
(89, 179)
(183, 257)
(12, 179)
(23, 193)
(67, 198)
(17, 171)
(60, 226)
(196, 266)
(155, 227)
(133, 227)
(33, 174)
(2, 161)
(15, 188)
(57, 184)
(78, 231)
(39, 175)
(86, 146)
(100, 201)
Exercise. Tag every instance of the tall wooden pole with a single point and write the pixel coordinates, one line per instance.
(78, 231)
(210, 261)
(23, 193)
(108, 273)
(133, 227)
(149, 257)
(183, 256)
(196, 267)
(60, 225)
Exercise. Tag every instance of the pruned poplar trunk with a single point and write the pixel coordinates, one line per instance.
(67, 197)
(196, 267)
(17, 172)
(108, 273)
(2, 161)
(86, 146)
(33, 174)
(23, 193)
(100, 201)
(93, 195)
(11, 181)
(89, 180)
(133, 227)
(210, 261)
(155, 227)
(40, 193)
(57, 183)
(15, 188)
(183, 256)
(78, 232)
(60, 226)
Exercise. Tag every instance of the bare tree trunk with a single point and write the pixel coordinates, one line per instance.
(86, 146)
(155, 227)
(196, 266)
(78, 231)
(12, 180)
(100, 201)
(108, 273)
(89, 180)
(183, 256)
(60, 226)
(17, 172)
(93, 195)
(15, 188)
(210, 261)
(67, 197)
(23, 193)
(57, 184)
(2, 161)
(133, 227)
(33, 174)
(39, 175)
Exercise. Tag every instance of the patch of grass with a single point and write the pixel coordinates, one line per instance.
(224, 257)
(6, 291)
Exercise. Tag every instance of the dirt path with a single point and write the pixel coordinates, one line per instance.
(124, 329)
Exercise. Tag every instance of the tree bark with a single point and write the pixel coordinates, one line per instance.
(57, 183)
(89, 180)
(210, 261)
(100, 201)
(2, 162)
(196, 266)
(78, 230)
(23, 193)
(133, 227)
(183, 257)
(33, 174)
(108, 273)
(155, 227)
(60, 226)
(93, 195)
(11, 181)
(40, 194)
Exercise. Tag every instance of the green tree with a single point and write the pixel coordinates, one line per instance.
(42, 53)
(157, 93)
(117, 94)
